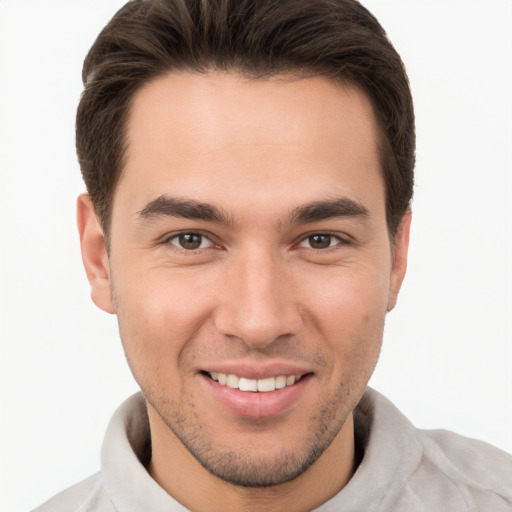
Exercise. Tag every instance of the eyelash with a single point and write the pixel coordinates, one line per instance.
(169, 240)
(337, 238)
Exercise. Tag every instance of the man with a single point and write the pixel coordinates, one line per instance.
(249, 168)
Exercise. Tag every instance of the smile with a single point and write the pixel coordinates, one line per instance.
(254, 385)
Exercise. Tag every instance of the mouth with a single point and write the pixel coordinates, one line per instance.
(257, 393)
(265, 385)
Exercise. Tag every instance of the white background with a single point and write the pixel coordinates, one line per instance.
(447, 355)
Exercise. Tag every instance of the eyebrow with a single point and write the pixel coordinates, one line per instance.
(323, 210)
(165, 206)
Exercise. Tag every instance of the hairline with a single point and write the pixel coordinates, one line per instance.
(285, 74)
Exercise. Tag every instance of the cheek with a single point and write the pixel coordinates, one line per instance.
(158, 315)
(354, 297)
(349, 310)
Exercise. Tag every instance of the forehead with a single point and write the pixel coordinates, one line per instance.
(222, 138)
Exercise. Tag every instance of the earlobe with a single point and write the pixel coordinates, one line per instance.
(400, 253)
(94, 253)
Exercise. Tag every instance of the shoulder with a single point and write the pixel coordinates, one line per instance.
(460, 474)
(425, 470)
(86, 496)
(469, 462)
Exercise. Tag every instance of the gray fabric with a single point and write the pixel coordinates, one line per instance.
(403, 469)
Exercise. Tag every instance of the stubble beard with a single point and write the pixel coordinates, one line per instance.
(243, 468)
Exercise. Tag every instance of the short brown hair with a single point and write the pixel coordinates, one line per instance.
(146, 39)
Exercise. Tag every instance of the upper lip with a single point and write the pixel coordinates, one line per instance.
(257, 371)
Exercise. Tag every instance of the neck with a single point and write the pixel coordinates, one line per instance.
(180, 474)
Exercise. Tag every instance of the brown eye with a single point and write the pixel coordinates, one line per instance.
(190, 241)
(320, 241)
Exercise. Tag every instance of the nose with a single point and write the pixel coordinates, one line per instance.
(259, 304)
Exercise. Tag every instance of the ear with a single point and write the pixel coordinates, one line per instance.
(94, 253)
(400, 251)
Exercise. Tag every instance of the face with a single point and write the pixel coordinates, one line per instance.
(250, 266)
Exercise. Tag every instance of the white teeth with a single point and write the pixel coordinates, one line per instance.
(261, 385)
(280, 382)
(248, 384)
(232, 381)
(290, 381)
(265, 385)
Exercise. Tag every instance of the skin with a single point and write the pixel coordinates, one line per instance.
(259, 290)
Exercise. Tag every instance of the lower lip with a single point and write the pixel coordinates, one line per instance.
(256, 404)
